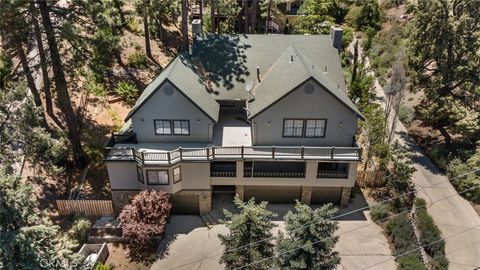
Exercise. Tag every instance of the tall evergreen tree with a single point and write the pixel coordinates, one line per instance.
(28, 240)
(252, 224)
(61, 87)
(309, 247)
(444, 51)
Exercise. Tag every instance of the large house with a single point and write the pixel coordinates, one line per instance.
(264, 116)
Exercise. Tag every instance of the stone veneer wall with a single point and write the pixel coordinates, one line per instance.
(120, 198)
(204, 197)
(346, 191)
(240, 191)
(306, 195)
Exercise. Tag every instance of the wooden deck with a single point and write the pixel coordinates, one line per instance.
(156, 157)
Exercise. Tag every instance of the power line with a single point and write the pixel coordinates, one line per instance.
(355, 229)
(332, 218)
(345, 214)
(418, 248)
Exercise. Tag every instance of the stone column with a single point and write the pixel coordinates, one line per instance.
(240, 191)
(311, 168)
(306, 195)
(205, 202)
(345, 196)
(122, 198)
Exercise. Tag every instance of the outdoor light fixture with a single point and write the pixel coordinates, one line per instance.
(341, 124)
(269, 123)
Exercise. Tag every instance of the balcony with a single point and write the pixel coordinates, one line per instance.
(223, 169)
(274, 169)
(143, 154)
(332, 170)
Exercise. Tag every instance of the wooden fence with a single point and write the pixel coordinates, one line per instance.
(87, 207)
(370, 178)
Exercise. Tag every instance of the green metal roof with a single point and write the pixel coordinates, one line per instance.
(182, 74)
(292, 69)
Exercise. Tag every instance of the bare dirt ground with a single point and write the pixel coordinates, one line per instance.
(118, 258)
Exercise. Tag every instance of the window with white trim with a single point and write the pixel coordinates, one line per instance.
(292, 127)
(315, 128)
(181, 127)
(177, 176)
(163, 127)
(157, 177)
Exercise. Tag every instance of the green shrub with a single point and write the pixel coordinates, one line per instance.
(440, 156)
(101, 266)
(440, 263)
(429, 232)
(380, 212)
(459, 167)
(137, 60)
(410, 262)
(92, 86)
(79, 230)
(127, 91)
(347, 37)
(401, 232)
(405, 114)
(132, 24)
(104, 46)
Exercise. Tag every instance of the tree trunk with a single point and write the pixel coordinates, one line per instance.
(446, 136)
(355, 63)
(148, 49)
(269, 11)
(118, 54)
(201, 13)
(245, 8)
(185, 26)
(254, 16)
(63, 97)
(44, 67)
(118, 6)
(30, 80)
(212, 16)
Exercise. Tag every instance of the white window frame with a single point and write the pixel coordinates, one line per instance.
(159, 174)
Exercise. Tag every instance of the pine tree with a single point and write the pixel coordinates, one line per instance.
(28, 240)
(308, 247)
(444, 46)
(252, 224)
(61, 87)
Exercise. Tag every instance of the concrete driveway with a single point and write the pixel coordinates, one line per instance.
(454, 215)
(189, 245)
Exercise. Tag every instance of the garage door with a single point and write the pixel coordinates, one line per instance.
(185, 204)
(321, 195)
(273, 194)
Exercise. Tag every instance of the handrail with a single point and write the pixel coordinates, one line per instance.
(229, 152)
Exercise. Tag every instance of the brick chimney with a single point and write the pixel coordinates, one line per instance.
(336, 34)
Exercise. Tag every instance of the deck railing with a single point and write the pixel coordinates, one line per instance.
(275, 174)
(228, 153)
(332, 174)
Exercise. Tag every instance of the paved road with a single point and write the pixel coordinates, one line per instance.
(452, 215)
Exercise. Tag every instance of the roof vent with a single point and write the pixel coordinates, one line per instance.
(291, 58)
(325, 70)
(258, 73)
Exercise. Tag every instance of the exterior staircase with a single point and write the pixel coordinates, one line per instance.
(209, 220)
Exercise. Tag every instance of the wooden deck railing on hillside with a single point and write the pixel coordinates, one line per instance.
(370, 178)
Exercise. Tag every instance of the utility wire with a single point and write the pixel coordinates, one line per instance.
(418, 248)
(336, 217)
(357, 228)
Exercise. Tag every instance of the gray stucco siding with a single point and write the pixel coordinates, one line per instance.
(340, 126)
(166, 104)
(123, 175)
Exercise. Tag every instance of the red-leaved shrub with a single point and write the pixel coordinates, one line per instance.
(145, 217)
